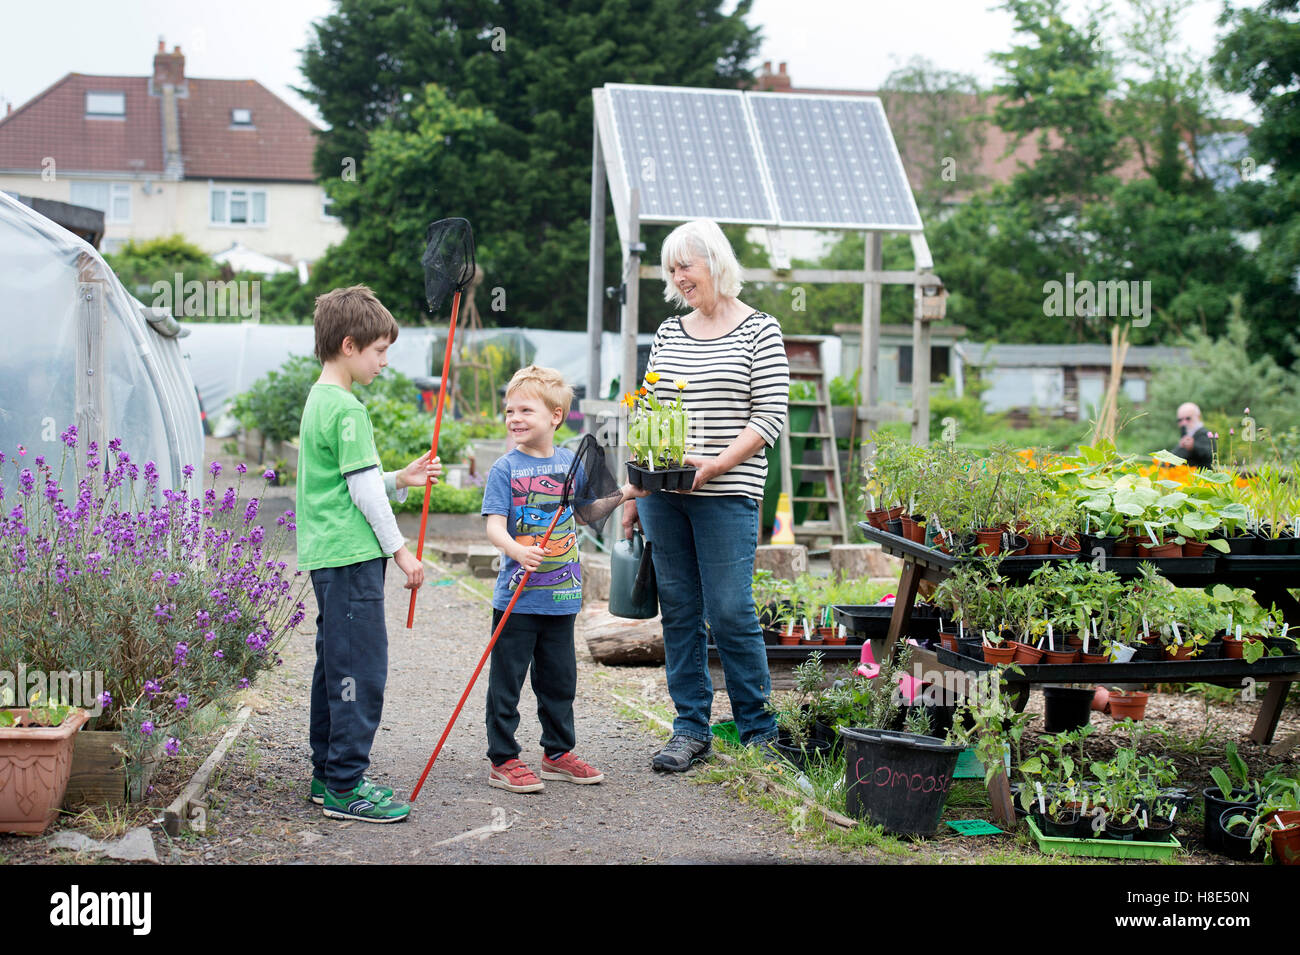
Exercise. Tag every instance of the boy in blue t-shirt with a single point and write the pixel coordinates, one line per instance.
(522, 492)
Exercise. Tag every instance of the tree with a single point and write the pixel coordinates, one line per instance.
(1260, 57)
(938, 120)
(529, 66)
(1058, 88)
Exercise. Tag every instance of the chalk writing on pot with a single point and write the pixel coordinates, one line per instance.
(887, 776)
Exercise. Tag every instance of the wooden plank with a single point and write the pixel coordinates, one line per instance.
(901, 618)
(98, 770)
(1270, 711)
(179, 811)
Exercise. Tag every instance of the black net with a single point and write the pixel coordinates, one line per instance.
(590, 488)
(448, 260)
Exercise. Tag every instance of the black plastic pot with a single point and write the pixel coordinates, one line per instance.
(1149, 653)
(1067, 708)
(1244, 544)
(1121, 831)
(1064, 826)
(1089, 543)
(895, 526)
(971, 647)
(1157, 830)
(1235, 843)
(812, 750)
(1278, 643)
(1215, 805)
(897, 780)
(662, 479)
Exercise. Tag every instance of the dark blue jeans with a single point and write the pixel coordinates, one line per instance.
(704, 565)
(347, 686)
(543, 642)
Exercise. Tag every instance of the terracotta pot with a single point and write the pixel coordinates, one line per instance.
(1232, 648)
(990, 541)
(1026, 653)
(793, 638)
(1000, 654)
(912, 530)
(1094, 657)
(1060, 656)
(1100, 699)
(948, 641)
(35, 763)
(1184, 652)
(831, 636)
(878, 517)
(1286, 840)
(1194, 548)
(1132, 705)
(1038, 545)
(1125, 547)
(811, 639)
(1064, 545)
(1148, 552)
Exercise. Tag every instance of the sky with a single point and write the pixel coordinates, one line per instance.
(842, 44)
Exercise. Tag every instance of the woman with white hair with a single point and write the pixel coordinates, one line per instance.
(732, 359)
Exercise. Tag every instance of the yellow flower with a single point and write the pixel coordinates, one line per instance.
(681, 384)
(629, 399)
(651, 377)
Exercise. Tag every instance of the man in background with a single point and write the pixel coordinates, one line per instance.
(1194, 445)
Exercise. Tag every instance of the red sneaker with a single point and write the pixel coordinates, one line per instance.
(516, 777)
(569, 769)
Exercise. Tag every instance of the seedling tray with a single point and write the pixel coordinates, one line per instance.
(1158, 671)
(1103, 848)
(872, 620)
(1260, 563)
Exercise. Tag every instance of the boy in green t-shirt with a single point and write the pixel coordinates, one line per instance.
(345, 530)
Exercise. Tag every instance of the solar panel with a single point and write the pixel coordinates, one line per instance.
(832, 162)
(691, 152)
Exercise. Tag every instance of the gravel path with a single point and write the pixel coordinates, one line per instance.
(634, 816)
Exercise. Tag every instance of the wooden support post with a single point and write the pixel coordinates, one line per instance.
(900, 620)
(595, 271)
(1270, 711)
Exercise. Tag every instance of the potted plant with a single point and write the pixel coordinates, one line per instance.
(797, 714)
(35, 763)
(1233, 789)
(185, 581)
(656, 435)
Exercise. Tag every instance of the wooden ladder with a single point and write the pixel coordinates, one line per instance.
(801, 479)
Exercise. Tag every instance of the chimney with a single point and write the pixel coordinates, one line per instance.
(778, 82)
(168, 68)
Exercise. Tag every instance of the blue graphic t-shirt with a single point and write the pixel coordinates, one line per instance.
(527, 491)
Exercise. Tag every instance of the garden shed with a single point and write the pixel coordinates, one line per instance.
(82, 351)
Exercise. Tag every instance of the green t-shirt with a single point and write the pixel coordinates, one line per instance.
(335, 439)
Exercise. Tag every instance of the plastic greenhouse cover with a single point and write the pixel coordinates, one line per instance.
(143, 395)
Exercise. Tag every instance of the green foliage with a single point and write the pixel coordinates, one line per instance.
(506, 144)
(274, 404)
(139, 264)
(1226, 376)
(444, 500)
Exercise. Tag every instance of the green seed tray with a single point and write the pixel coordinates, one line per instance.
(1103, 848)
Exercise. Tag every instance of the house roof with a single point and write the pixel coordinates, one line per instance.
(54, 124)
(1047, 356)
(278, 145)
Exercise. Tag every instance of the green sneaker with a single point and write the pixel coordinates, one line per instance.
(318, 790)
(365, 804)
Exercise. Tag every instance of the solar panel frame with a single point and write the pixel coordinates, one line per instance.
(898, 189)
(625, 99)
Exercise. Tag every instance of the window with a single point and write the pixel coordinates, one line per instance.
(327, 207)
(111, 198)
(241, 117)
(100, 104)
(242, 207)
(938, 364)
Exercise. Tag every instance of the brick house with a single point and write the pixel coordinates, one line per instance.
(222, 162)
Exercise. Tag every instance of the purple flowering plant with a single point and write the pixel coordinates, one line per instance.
(126, 578)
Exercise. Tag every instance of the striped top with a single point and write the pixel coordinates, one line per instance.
(742, 378)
